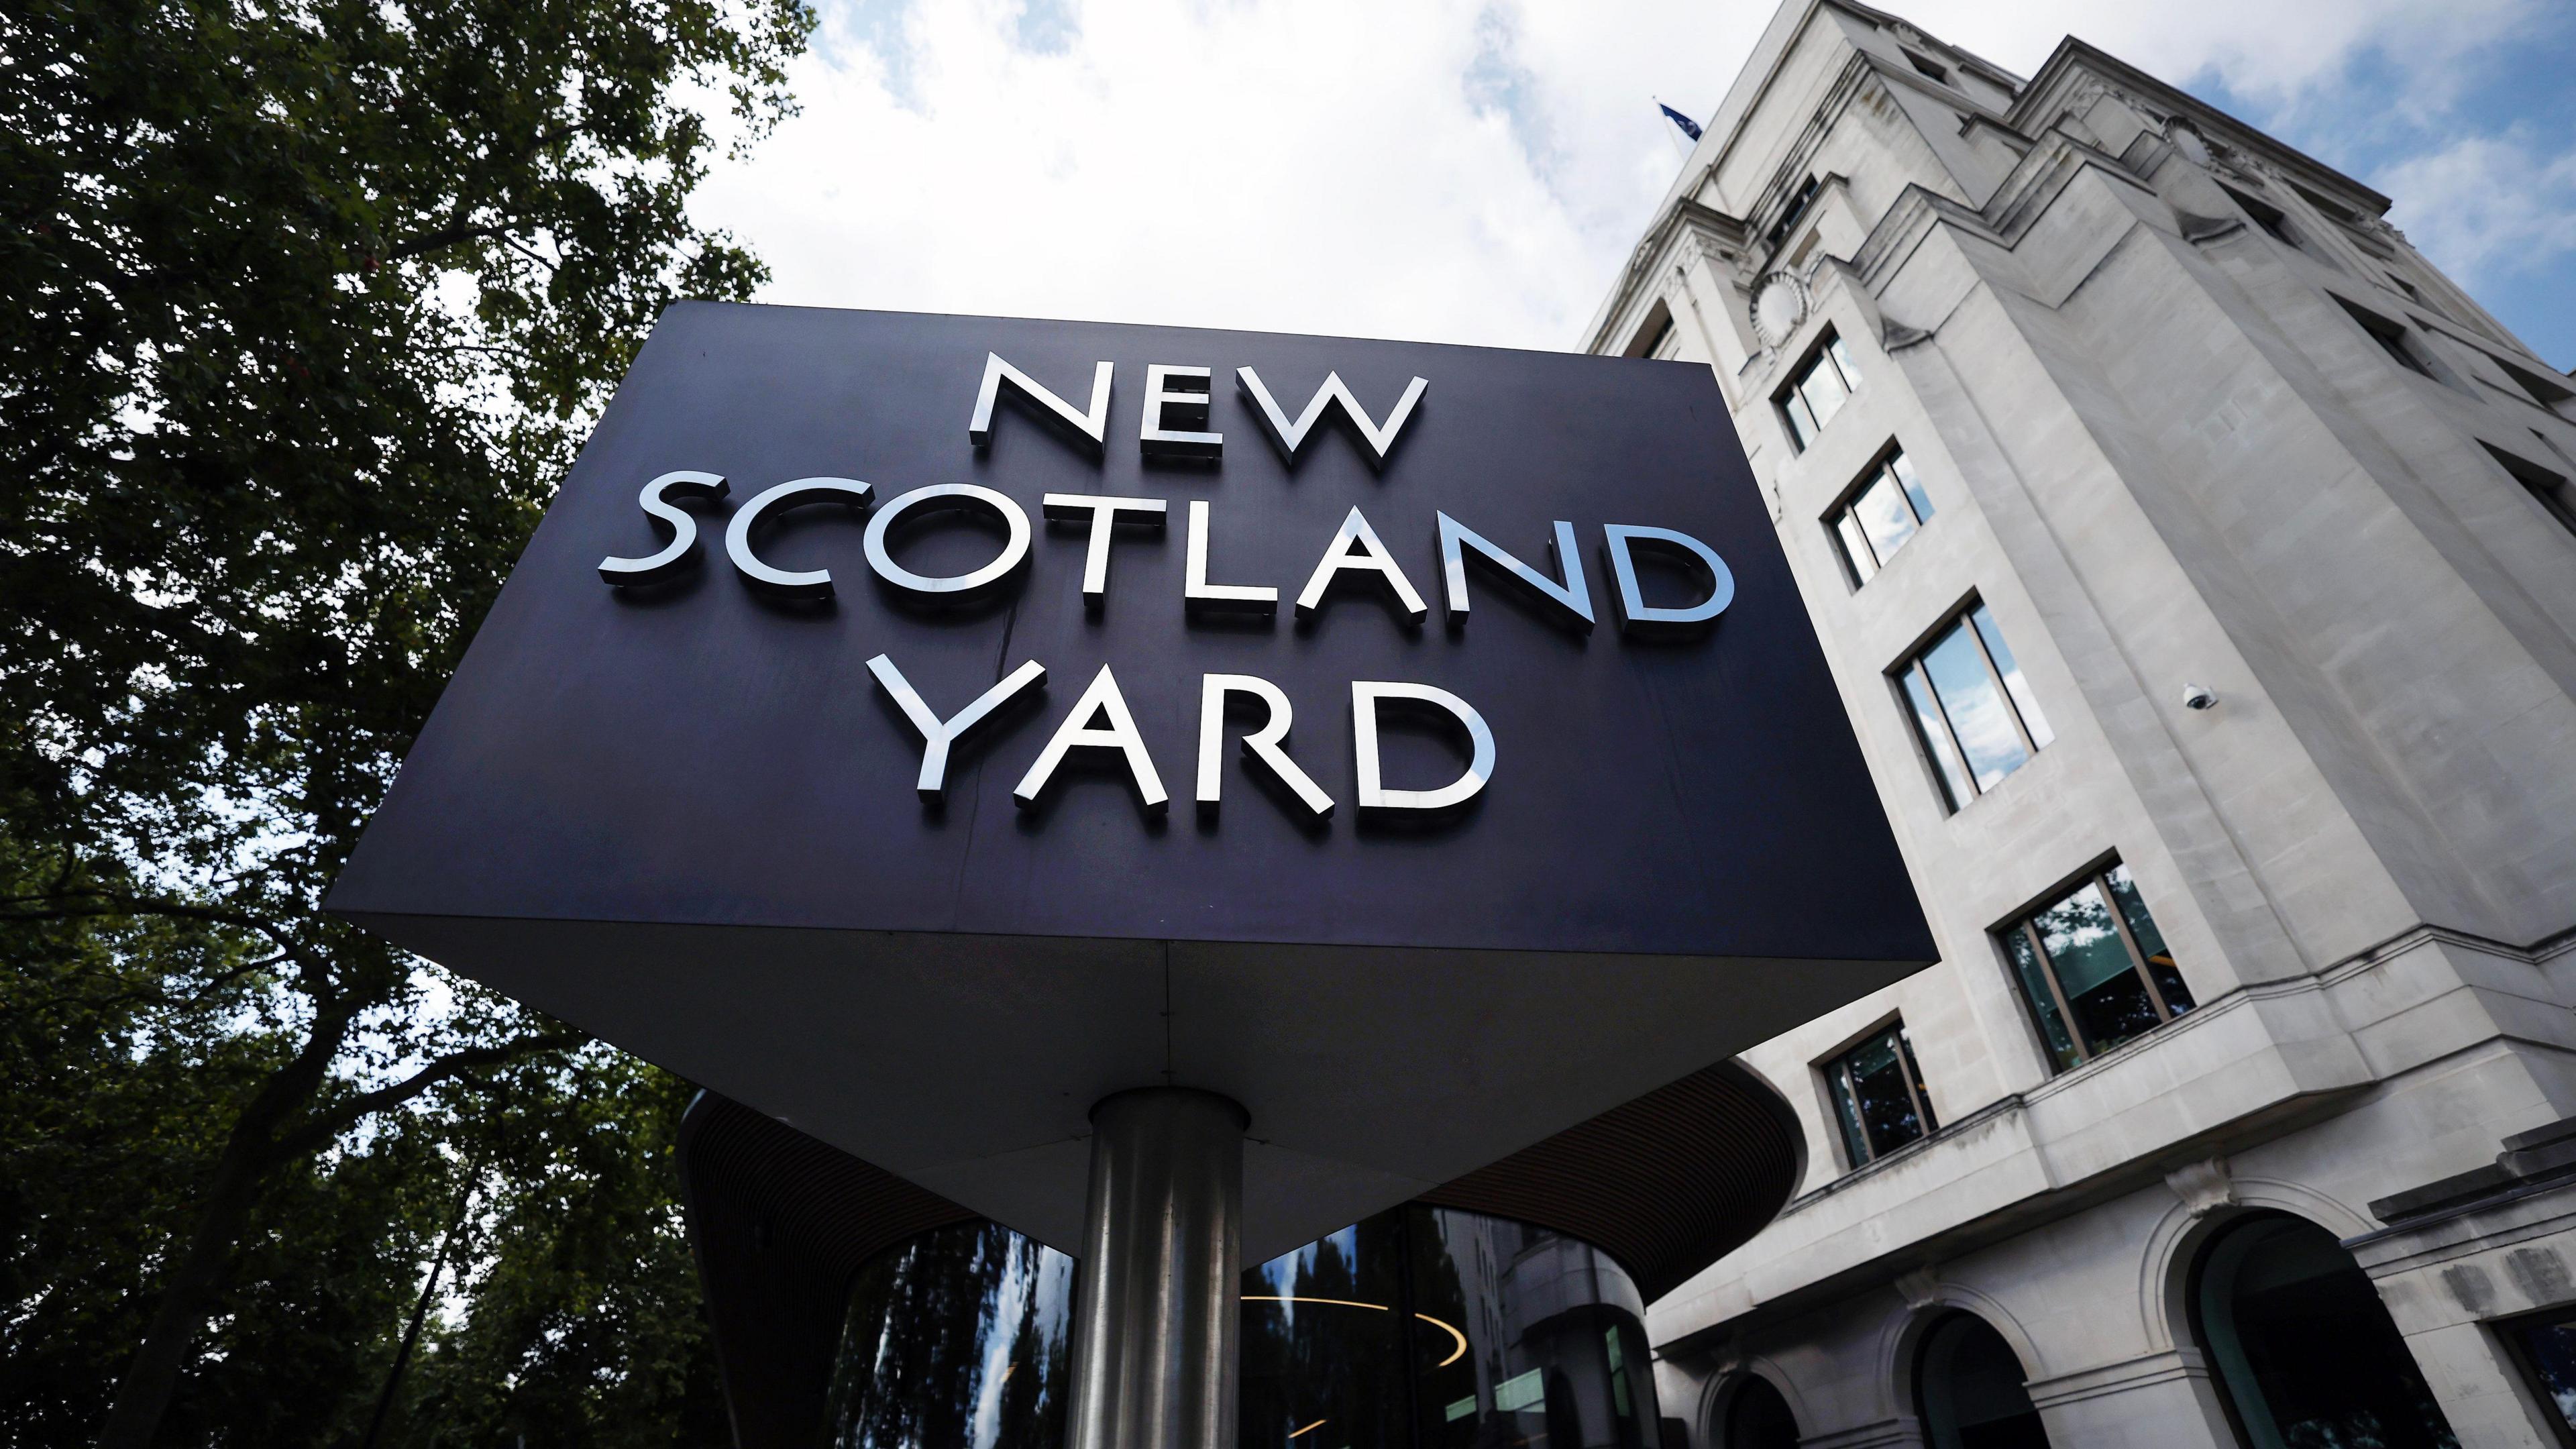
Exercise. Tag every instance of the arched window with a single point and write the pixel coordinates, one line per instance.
(2304, 1349)
(1758, 1418)
(1968, 1387)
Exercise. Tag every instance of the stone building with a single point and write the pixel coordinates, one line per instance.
(2198, 565)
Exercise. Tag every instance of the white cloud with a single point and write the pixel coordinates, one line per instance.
(1461, 170)
(2489, 207)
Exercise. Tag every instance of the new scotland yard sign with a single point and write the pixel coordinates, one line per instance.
(823, 743)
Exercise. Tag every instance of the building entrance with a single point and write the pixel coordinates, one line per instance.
(2304, 1349)
(1970, 1386)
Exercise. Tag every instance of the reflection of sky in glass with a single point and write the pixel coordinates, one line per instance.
(1903, 468)
(2031, 718)
(1978, 714)
(1936, 738)
(1823, 389)
(1884, 516)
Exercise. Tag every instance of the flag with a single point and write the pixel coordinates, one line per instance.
(1689, 127)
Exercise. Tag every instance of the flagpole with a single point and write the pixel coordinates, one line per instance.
(1665, 125)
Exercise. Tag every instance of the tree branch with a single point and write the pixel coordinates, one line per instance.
(318, 1129)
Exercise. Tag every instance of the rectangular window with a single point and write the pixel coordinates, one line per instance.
(1817, 389)
(1879, 516)
(2553, 395)
(2393, 339)
(1797, 208)
(1973, 710)
(1929, 67)
(2545, 1345)
(2272, 219)
(2556, 495)
(2094, 968)
(1878, 1095)
(1653, 338)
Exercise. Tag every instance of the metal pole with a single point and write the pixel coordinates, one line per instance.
(1155, 1357)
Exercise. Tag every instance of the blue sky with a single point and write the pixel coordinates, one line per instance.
(2480, 160)
(1477, 170)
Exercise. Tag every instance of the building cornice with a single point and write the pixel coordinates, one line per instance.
(2074, 61)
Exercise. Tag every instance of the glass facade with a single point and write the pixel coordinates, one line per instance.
(1879, 1097)
(1817, 392)
(2093, 977)
(1973, 710)
(2306, 1352)
(956, 1340)
(1878, 519)
(1420, 1328)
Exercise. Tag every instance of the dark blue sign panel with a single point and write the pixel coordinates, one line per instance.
(920, 726)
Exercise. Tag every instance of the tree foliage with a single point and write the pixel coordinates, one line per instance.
(304, 307)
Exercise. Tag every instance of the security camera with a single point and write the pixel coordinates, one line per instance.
(2199, 696)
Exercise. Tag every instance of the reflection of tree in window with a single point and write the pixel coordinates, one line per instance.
(1879, 1096)
(956, 1340)
(2095, 978)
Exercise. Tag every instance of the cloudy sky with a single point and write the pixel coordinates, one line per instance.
(1474, 170)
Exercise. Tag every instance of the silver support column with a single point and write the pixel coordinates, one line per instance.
(1155, 1356)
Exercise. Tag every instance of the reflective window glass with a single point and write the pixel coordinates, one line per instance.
(1419, 1328)
(1879, 1096)
(1816, 391)
(1822, 386)
(1856, 547)
(1495, 1370)
(955, 1340)
(2024, 953)
(1993, 638)
(2546, 1345)
(1323, 1343)
(2149, 941)
(1978, 719)
(1841, 356)
(2093, 979)
(2102, 986)
(1802, 423)
(1880, 516)
(1956, 789)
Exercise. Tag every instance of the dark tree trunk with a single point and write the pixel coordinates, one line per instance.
(188, 1290)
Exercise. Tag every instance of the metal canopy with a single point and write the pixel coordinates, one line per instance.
(683, 815)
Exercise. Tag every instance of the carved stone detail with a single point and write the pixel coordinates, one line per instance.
(2203, 1186)
(1921, 1287)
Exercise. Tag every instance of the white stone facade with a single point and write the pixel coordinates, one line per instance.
(2122, 339)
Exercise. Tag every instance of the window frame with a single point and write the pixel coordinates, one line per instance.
(1911, 665)
(2395, 338)
(2552, 490)
(1829, 351)
(1841, 1091)
(2025, 924)
(2509, 1331)
(1803, 198)
(1883, 466)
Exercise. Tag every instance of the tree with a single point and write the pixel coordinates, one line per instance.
(304, 307)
